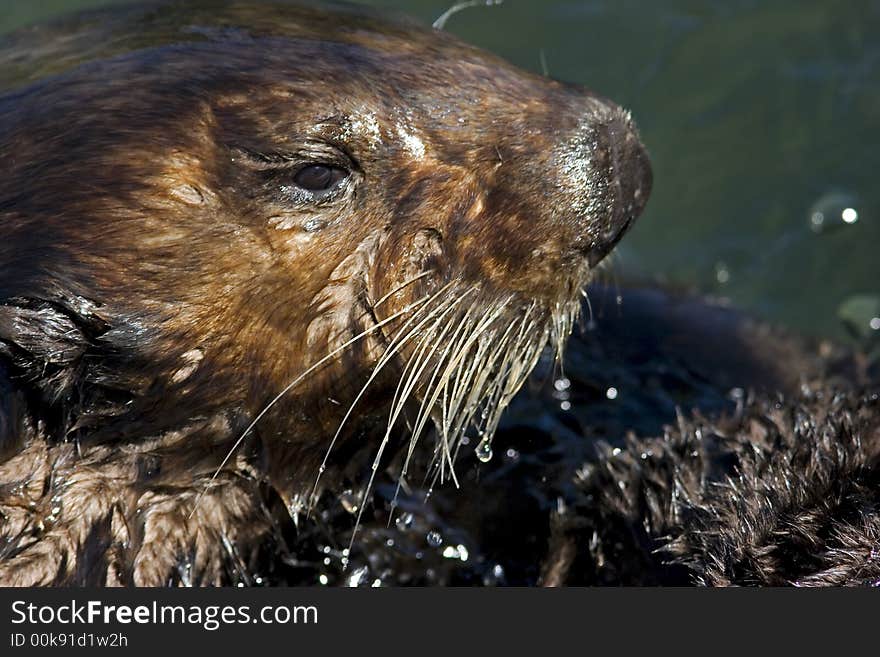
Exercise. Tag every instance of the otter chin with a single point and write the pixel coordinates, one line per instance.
(261, 245)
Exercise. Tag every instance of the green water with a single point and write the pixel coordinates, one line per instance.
(758, 115)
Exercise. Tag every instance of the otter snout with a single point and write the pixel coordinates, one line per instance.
(614, 182)
(630, 179)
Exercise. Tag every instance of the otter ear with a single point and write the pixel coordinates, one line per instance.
(42, 344)
(53, 365)
(13, 416)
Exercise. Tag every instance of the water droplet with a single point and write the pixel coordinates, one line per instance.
(349, 501)
(484, 451)
(722, 273)
(404, 521)
(565, 406)
(358, 577)
(376, 583)
(323, 579)
(562, 384)
(434, 539)
(459, 552)
(611, 393)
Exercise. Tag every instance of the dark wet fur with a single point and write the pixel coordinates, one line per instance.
(784, 492)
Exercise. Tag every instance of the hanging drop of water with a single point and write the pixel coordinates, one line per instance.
(349, 501)
(484, 451)
(404, 521)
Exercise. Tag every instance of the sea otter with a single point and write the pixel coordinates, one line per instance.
(246, 243)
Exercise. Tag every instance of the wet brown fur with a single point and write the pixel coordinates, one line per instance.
(159, 287)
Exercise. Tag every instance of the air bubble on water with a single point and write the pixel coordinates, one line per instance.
(326, 561)
(512, 454)
(434, 539)
(484, 451)
(389, 542)
(404, 521)
(326, 549)
(376, 583)
(722, 273)
(616, 451)
(323, 579)
(834, 210)
(565, 406)
(611, 393)
(860, 314)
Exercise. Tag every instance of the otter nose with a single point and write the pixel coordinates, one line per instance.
(619, 181)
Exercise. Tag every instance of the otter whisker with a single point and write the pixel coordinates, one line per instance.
(586, 297)
(479, 329)
(495, 390)
(419, 362)
(495, 387)
(485, 322)
(292, 385)
(425, 341)
(400, 287)
(469, 390)
(440, 23)
(424, 407)
(394, 346)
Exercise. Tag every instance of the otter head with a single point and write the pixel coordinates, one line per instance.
(291, 230)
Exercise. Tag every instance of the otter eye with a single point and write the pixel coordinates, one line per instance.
(319, 177)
